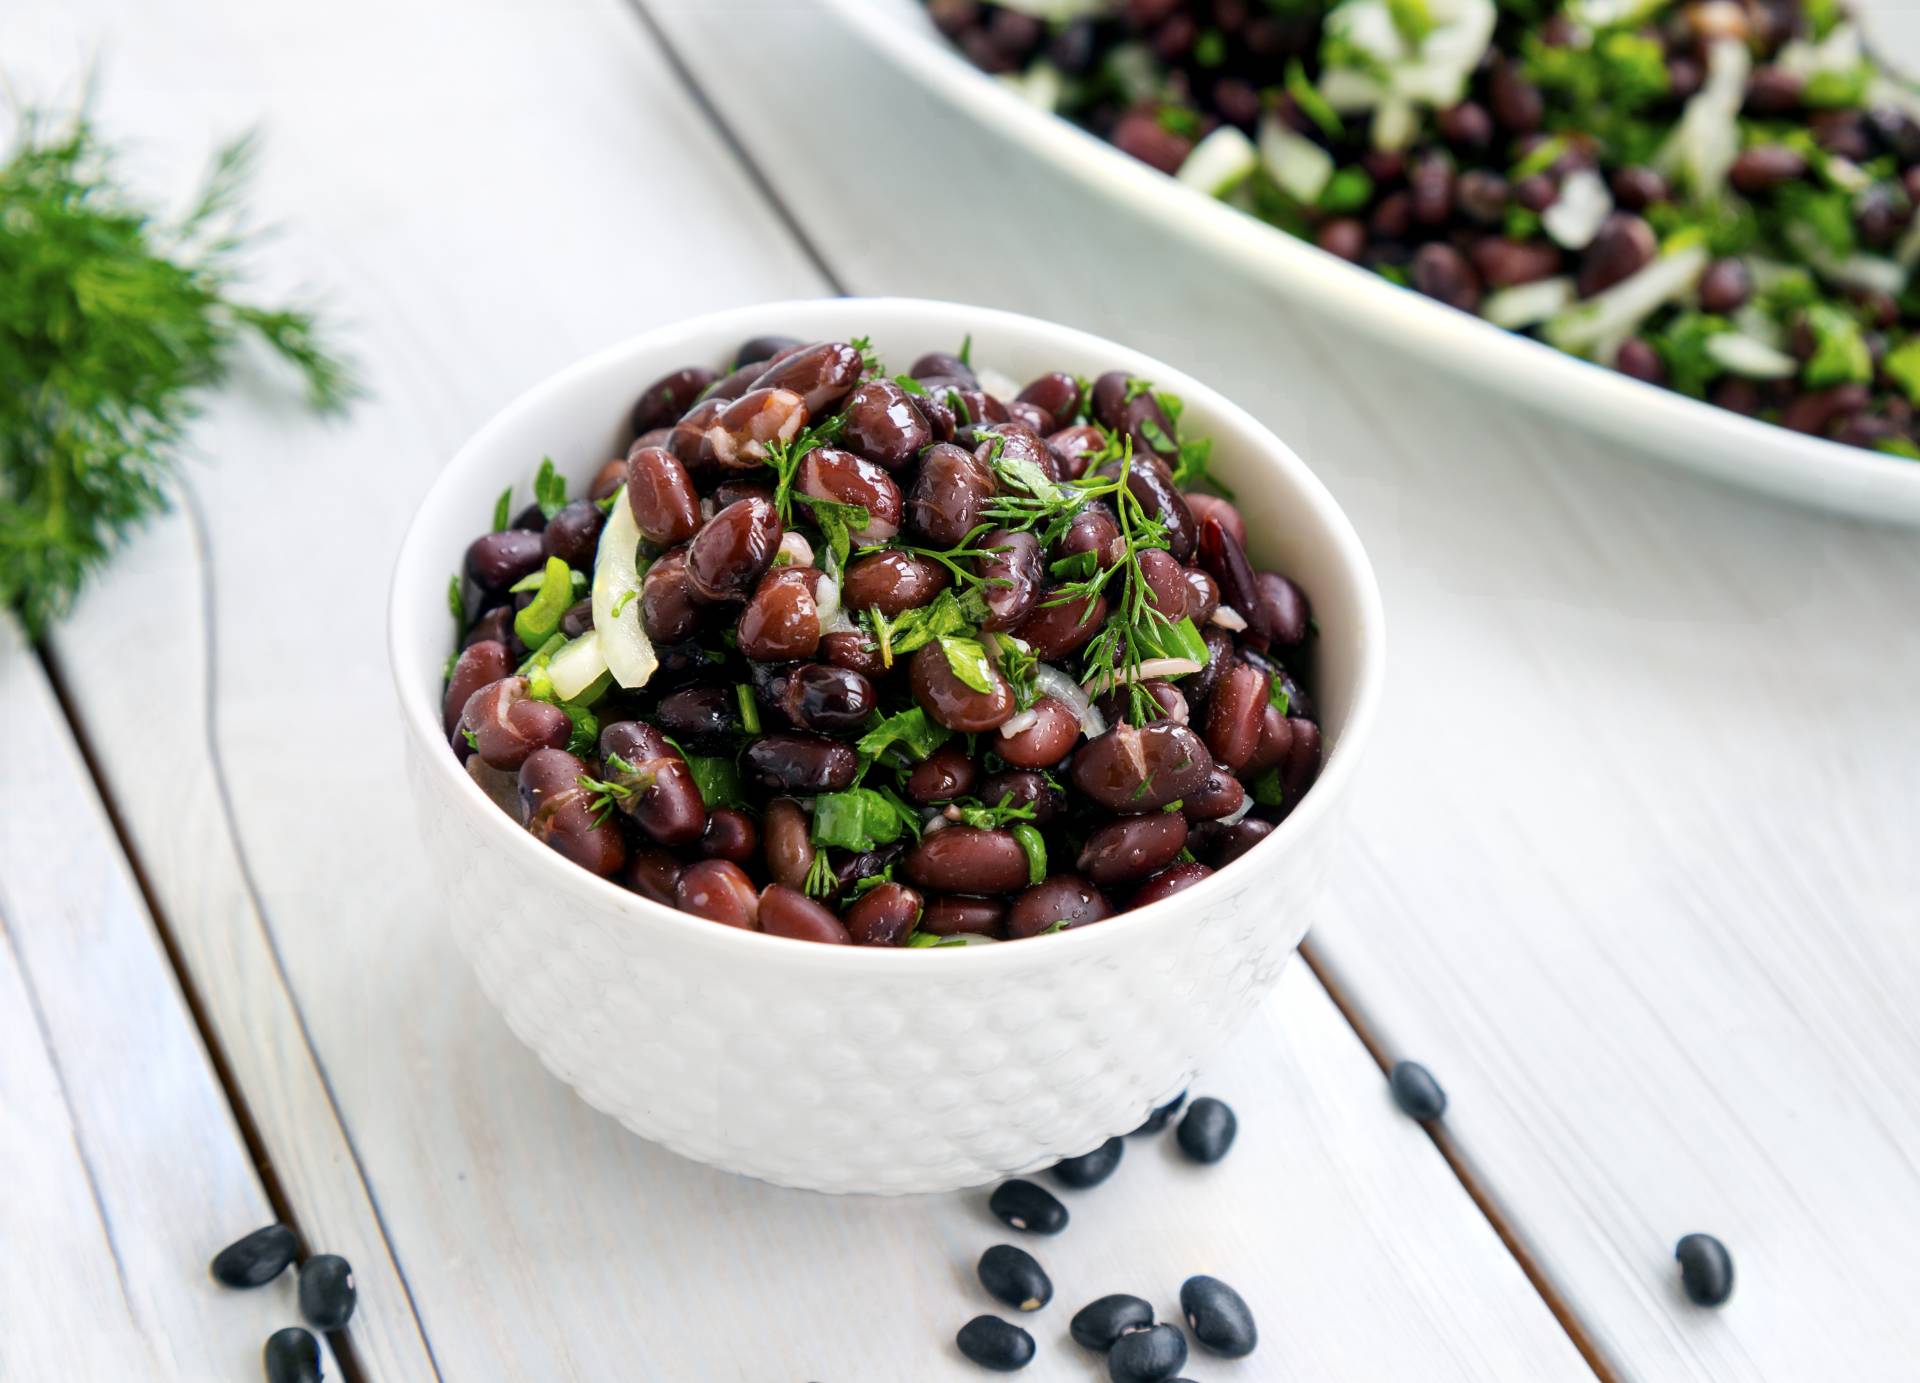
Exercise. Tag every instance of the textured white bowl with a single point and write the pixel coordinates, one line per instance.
(853, 1068)
(1640, 417)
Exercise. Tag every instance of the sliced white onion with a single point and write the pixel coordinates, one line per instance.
(1597, 327)
(1040, 85)
(1301, 167)
(1228, 618)
(1220, 162)
(1527, 304)
(993, 382)
(1349, 91)
(616, 574)
(1743, 355)
(1238, 813)
(1395, 123)
(1578, 212)
(795, 548)
(1056, 683)
(1025, 720)
(1870, 273)
(1149, 668)
(1134, 69)
(826, 599)
(1706, 138)
(1059, 9)
(577, 665)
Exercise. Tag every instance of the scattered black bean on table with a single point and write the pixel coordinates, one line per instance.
(928, 666)
(327, 1294)
(1706, 1269)
(1416, 1091)
(995, 1344)
(1207, 1129)
(1029, 1208)
(257, 1259)
(1099, 1323)
(1158, 1119)
(1090, 1169)
(1152, 1355)
(1218, 1317)
(292, 1356)
(1015, 1277)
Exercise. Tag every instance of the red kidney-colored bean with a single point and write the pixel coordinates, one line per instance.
(613, 474)
(758, 352)
(965, 857)
(781, 621)
(1151, 483)
(1226, 562)
(806, 764)
(1024, 788)
(978, 408)
(1624, 245)
(664, 800)
(496, 560)
(497, 625)
(1032, 417)
(1166, 582)
(1055, 630)
(844, 477)
(732, 386)
(506, 726)
(943, 775)
(652, 873)
(1045, 742)
(741, 434)
(1107, 401)
(728, 555)
(945, 501)
(1093, 530)
(940, 365)
(1234, 711)
(1206, 506)
(886, 424)
(1170, 881)
(661, 494)
(788, 838)
(1058, 392)
(1057, 899)
(1013, 573)
(790, 913)
(1117, 703)
(1073, 448)
(559, 813)
(1010, 443)
(819, 696)
(952, 702)
(1133, 847)
(958, 914)
(730, 835)
(1203, 595)
(1135, 769)
(668, 397)
(720, 891)
(892, 582)
(668, 609)
(823, 374)
(1221, 795)
(573, 534)
(1222, 652)
(852, 650)
(1220, 845)
(1302, 763)
(479, 664)
(689, 435)
(1285, 614)
(884, 915)
(1276, 741)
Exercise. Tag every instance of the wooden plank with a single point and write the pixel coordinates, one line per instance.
(126, 1171)
(537, 1238)
(1633, 867)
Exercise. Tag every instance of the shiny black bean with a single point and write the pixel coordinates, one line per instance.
(884, 915)
(668, 397)
(1222, 653)
(806, 764)
(1011, 444)
(574, 533)
(720, 891)
(730, 835)
(1098, 1324)
(613, 474)
(967, 859)
(829, 699)
(1151, 483)
(327, 1292)
(478, 665)
(1133, 847)
(1058, 392)
(1013, 574)
(1152, 1355)
(995, 1344)
(822, 374)
(1093, 530)
(1706, 1269)
(849, 648)
(1158, 1117)
(1234, 712)
(255, 1260)
(1220, 795)
(688, 438)
(1057, 901)
(842, 476)
(1206, 507)
(1031, 1209)
(1136, 769)
(743, 433)
(532, 519)
(504, 726)
(559, 812)
(1169, 881)
(758, 350)
(1074, 448)
(1218, 1317)
(497, 625)
(1416, 1091)
(1763, 167)
(790, 913)
(1045, 742)
(788, 840)
(952, 702)
(1031, 416)
(892, 582)
(945, 501)
(1015, 1277)
(661, 795)
(781, 621)
(885, 424)
(704, 719)
(1226, 562)
(1623, 246)
(661, 494)
(496, 560)
(1117, 704)
(1056, 627)
(734, 490)
(1022, 788)
(292, 1355)
(669, 611)
(1166, 582)
(943, 775)
(1221, 845)
(1206, 1130)
(940, 365)
(1285, 616)
(957, 914)
(578, 618)
(1444, 274)
(650, 872)
(1203, 595)
(729, 554)
(1090, 1169)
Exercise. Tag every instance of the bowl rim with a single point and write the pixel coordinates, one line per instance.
(1777, 451)
(422, 718)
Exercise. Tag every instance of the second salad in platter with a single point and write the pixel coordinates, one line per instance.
(898, 659)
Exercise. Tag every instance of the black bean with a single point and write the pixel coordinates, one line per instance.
(1416, 1091)
(1099, 1323)
(1206, 1131)
(259, 1258)
(1090, 1169)
(327, 1293)
(1152, 1355)
(995, 1344)
(1706, 1269)
(1016, 1277)
(292, 1356)
(1218, 1317)
(1022, 1205)
(804, 764)
(1158, 1119)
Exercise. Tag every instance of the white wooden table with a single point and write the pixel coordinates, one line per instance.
(1636, 865)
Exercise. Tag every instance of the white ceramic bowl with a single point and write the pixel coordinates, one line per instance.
(851, 1068)
(1640, 417)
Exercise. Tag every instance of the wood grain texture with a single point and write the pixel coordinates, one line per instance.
(125, 1172)
(487, 200)
(1633, 868)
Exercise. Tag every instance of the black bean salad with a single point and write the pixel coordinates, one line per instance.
(910, 659)
(1714, 196)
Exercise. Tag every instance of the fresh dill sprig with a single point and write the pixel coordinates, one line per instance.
(113, 325)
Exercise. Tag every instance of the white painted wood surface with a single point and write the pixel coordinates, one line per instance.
(1635, 864)
(484, 196)
(124, 1169)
